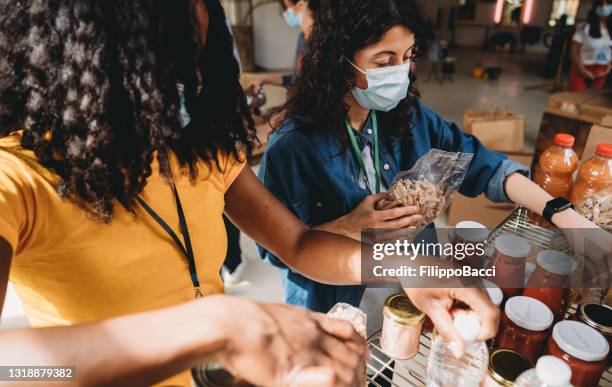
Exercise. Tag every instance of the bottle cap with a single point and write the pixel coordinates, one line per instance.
(471, 231)
(468, 326)
(604, 150)
(495, 293)
(580, 341)
(512, 246)
(564, 140)
(529, 313)
(556, 262)
(553, 371)
(400, 309)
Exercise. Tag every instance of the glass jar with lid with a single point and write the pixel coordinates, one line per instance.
(550, 371)
(401, 327)
(550, 281)
(509, 262)
(583, 348)
(470, 232)
(505, 365)
(525, 327)
(598, 316)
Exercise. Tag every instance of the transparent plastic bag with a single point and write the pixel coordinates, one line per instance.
(597, 208)
(429, 184)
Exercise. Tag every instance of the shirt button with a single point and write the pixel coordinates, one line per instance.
(386, 167)
(369, 131)
(319, 204)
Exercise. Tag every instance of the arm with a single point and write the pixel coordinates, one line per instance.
(575, 55)
(145, 348)
(272, 79)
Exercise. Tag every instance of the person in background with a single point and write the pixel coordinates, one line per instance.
(591, 51)
(111, 209)
(297, 14)
(353, 121)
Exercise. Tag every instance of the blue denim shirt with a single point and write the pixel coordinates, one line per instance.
(314, 175)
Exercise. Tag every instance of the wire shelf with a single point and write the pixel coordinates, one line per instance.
(385, 371)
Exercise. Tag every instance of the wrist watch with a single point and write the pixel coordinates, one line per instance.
(554, 206)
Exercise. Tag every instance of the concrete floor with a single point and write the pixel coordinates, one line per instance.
(513, 92)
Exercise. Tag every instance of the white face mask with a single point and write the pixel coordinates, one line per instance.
(292, 18)
(604, 10)
(387, 87)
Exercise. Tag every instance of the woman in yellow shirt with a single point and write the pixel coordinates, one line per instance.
(111, 209)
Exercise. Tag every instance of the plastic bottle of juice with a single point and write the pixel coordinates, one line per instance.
(594, 174)
(556, 166)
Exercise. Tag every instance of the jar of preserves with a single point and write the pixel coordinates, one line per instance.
(550, 281)
(495, 293)
(525, 327)
(555, 170)
(469, 232)
(550, 371)
(505, 365)
(594, 174)
(509, 262)
(599, 317)
(401, 327)
(583, 348)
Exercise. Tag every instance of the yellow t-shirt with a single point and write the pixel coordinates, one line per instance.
(69, 268)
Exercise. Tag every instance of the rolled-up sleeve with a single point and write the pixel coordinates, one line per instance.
(495, 190)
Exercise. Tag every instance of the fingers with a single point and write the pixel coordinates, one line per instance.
(340, 329)
(341, 352)
(313, 377)
(443, 322)
(480, 303)
(408, 221)
(395, 213)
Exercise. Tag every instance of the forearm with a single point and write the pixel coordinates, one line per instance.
(336, 226)
(528, 194)
(273, 79)
(139, 349)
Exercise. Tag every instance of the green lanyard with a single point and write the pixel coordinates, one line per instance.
(376, 154)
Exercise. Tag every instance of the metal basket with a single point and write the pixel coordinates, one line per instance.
(384, 370)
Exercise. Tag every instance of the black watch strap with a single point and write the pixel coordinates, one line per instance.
(554, 206)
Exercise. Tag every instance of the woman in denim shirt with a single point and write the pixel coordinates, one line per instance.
(356, 84)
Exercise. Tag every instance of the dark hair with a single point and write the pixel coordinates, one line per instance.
(93, 84)
(593, 20)
(342, 27)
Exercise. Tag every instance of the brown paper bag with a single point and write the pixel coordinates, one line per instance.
(598, 135)
(499, 131)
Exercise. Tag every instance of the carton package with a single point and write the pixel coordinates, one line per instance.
(500, 131)
(481, 209)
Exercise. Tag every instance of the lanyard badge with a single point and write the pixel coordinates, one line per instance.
(186, 248)
(357, 152)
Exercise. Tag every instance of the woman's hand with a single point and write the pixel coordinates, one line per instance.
(281, 345)
(438, 302)
(366, 216)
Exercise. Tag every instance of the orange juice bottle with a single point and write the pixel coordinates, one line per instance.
(556, 166)
(594, 174)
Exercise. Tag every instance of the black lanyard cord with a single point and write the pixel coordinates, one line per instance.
(186, 248)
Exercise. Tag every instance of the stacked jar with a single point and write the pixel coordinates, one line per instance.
(471, 233)
(402, 325)
(550, 281)
(525, 327)
(583, 348)
(509, 263)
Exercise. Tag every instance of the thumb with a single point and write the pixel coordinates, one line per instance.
(378, 197)
(443, 322)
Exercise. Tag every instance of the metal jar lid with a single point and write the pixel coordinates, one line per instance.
(401, 310)
(505, 365)
(598, 316)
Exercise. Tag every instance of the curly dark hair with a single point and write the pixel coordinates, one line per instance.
(93, 85)
(342, 27)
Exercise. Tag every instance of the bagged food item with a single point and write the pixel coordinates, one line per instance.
(429, 184)
(349, 313)
(597, 208)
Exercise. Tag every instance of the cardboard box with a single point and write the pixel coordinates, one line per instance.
(588, 105)
(500, 131)
(481, 209)
(599, 134)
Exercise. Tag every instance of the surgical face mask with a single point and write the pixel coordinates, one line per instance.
(292, 18)
(604, 10)
(387, 87)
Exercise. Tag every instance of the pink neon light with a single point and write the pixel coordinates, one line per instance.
(499, 7)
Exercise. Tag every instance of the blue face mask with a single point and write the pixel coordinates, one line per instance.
(387, 87)
(292, 18)
(604, 10)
